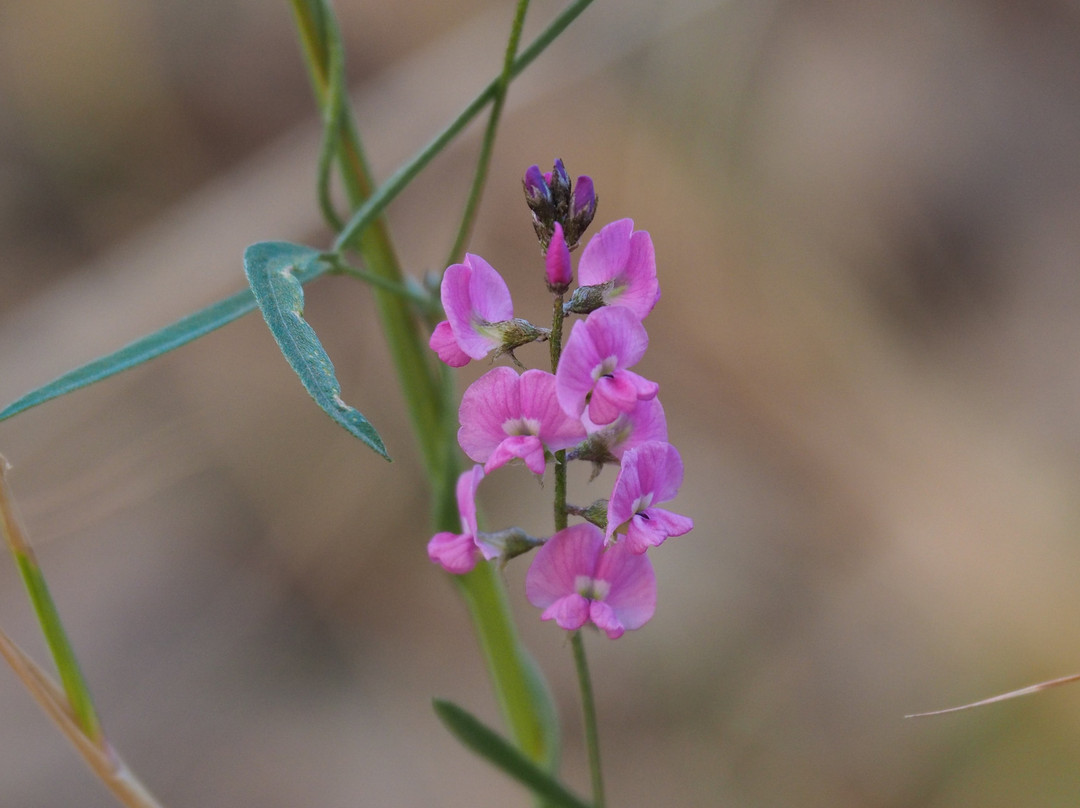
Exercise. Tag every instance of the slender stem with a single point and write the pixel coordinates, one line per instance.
(555, 345)
(588, 712)
(370, 210)
(472, 203)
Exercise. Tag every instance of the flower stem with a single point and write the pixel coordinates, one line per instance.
(555, 343)
(588, 712)
(488, 145)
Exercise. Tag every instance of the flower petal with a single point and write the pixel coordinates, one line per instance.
(454, 552)
(473, 294)
(527, 447)
(488, 403)
(566, 556)
(445, 345)
(632, 581)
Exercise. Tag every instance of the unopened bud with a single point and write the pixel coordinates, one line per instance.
(557, 261)
(582, 210)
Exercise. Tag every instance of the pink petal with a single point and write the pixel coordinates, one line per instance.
(445, 345)
(627, 258)
(568, 554)
(632, 593)
(618, 393)
(454, 552)
(473, 293)
(488, 403)
(527, 447)
(645, 422)
(606, 253)
(651, 471)
(467, 485)
(539, 402)
(569, 612)
(604, 618)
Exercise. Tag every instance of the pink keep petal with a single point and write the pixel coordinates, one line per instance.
(604, 618)
(570, 612)
(445, 345)
(645, 422)
(618, 393)
(653, 526)
(454, 552)
(527, 447)
(473, 293)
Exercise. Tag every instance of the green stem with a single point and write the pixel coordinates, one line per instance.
(588, 711)
(427, 391)
(472, 203)
(555, 345)
(370, 210)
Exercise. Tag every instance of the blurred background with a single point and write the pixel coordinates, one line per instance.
(867, 222)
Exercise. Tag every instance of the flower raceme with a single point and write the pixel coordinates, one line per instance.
(591, 406)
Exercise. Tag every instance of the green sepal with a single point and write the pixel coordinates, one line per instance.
(274, 269)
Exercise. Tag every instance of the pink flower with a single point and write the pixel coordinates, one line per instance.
(623, 262)
(458, 552)
(504, 415)
(575, 580)
(475, 298)
(593, 369)
(650, 473)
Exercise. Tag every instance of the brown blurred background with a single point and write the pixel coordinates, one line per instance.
(867, 220)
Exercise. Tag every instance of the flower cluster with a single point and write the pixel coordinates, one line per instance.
(590, 407)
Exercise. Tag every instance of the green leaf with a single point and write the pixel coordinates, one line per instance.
(274, 269)
(149, 347)
(490, 745)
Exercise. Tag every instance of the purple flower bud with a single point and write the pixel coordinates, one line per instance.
(582, 210)
(557, 260)
(537, 193)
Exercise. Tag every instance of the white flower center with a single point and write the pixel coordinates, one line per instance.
(591, 588)
(605, 368)
(521, 426)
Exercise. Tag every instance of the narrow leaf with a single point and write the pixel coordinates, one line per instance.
(490, 745)
(272, 269)
(146, 348)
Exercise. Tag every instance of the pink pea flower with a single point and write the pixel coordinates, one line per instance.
(593, 371)
(650, 473)
(458, 552)
(618, 268)
(575, 581)
(475, 298)
(504, 415)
